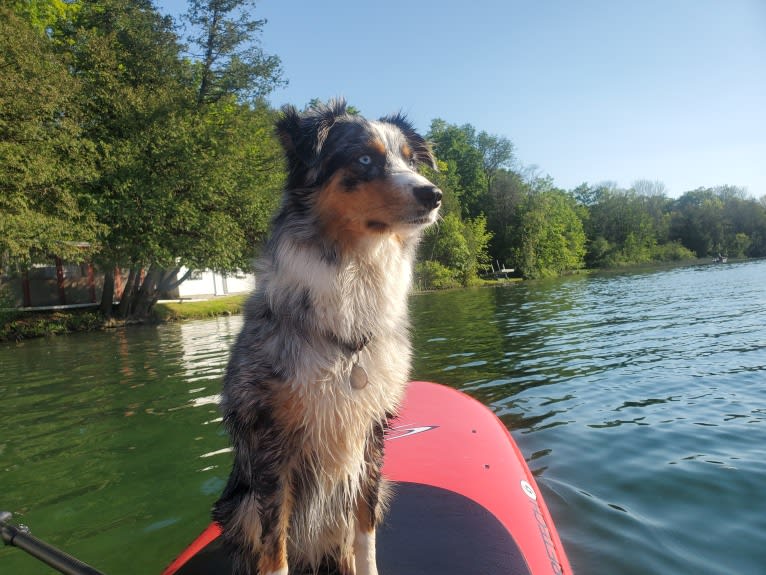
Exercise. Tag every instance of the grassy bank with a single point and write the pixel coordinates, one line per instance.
(174, 311)
(17, 326)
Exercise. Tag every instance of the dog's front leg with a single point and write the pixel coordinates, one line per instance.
(368, 507)
(364, 545)
(275, 519)
(254, 514)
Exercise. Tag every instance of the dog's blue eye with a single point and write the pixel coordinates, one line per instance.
(413, 163)
(365, 160)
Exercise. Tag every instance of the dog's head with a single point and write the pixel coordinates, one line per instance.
(362, 176)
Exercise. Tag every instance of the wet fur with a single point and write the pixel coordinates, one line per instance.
(305, 488)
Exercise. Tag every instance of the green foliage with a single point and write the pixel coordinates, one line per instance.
(431, 275)
(473, 161)
(477, 238)
(506, 194)
(642, 225)
(459, 246)
(723, 220)
(739, 246)
(602, 254)
(550, 238)
(446, 243)
(111, 135)
(33, 324)
(496, 153)
(671, 252)
(456, 145)
(599, 253)
(187, 162)
(43, 14)
(8, 311)
(44, 155)
(210, 193)
(231, 59)
(620, 216)
(697, 221)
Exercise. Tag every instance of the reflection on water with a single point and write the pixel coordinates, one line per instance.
(205, 351)
(110, 441)
(639, 400)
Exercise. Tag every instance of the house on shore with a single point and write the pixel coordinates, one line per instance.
(60, 284)
(207, 283)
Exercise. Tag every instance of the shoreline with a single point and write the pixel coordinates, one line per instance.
(21, 325)
(24, 325)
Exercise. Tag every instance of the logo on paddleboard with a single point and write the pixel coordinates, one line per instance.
(408, 430)
(528, 490)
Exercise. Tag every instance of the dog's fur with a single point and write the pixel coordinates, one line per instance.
(332, 285)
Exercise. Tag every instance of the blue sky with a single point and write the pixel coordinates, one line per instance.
(588, 91)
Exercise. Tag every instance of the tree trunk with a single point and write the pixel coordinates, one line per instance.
(123, 310)
(147, 294)
(209, 59)
(168, 283)
(107, 296)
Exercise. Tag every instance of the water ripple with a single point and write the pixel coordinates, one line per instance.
(641, 398)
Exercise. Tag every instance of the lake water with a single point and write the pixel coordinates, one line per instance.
(639, 400)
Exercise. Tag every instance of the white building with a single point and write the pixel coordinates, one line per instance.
(208, 283)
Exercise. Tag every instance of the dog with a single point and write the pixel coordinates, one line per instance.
(323, 358)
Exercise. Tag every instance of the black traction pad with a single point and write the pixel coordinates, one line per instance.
(427, 530)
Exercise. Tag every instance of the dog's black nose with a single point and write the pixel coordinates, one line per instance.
(429, 196)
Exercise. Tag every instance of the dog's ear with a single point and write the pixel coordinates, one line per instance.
(296, 145)
(303, 135)
(420, 147)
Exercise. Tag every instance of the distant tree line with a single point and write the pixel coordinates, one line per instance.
(126, 145)
(496, 211)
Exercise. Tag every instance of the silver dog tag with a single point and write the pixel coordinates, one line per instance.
(358, 377)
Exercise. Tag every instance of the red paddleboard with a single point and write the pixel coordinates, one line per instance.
(464, 499)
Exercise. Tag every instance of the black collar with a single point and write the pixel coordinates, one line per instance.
(351, 347)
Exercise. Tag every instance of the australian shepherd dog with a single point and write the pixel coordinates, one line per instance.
(323, 358)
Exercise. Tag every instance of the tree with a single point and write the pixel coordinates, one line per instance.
(211, 205)
(127, 58)
(44, 155)
(222, 183)
(496, 153)
(507, 192)
(550, 236)
(650, 188)
(458, 246)
(446, 244)
(720, 220)
(227, 51)
(477, 237)
(628, 223)
(42, 14)
(182, 182)
(696, 221)
(456, 145)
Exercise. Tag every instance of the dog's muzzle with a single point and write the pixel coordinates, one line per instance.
(428, 196)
